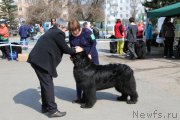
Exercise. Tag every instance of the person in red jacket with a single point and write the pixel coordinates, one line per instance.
(141, 28)
(119, 30)
(4, 35)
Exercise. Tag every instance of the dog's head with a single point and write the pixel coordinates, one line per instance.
(80, 58)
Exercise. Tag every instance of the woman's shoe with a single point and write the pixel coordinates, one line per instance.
(76, 101)
(79, 101)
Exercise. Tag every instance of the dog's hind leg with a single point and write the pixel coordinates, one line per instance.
(133, 98)
(90, 98)
(123, 97)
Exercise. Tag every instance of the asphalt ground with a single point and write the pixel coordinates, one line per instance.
(158, 86)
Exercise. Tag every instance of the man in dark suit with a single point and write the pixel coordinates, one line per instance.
(44, 58)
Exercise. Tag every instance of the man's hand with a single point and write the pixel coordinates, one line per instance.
(78, 49)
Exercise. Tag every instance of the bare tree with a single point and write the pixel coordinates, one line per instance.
(37, 12)
(134, 4)
(92, 10)
(42, 11)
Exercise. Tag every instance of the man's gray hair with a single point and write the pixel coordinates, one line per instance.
(62, 23)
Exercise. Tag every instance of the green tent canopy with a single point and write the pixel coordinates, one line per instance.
(171, 10)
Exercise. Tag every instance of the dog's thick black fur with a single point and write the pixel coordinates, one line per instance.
(90, 78)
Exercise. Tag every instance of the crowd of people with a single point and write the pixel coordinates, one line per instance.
(139, 33)
(26, 32)
(125, 33)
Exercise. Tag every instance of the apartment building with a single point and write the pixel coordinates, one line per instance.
(124, 9)
(117, 9)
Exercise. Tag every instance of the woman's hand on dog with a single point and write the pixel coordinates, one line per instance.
(89, 55)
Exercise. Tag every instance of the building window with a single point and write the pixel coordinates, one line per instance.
(127, 15)
(127, 8)
(121, 8)
(20, 8)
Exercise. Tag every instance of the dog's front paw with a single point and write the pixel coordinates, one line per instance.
(131, 102)
(85, 106)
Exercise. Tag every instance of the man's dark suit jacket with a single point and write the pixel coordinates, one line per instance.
(48, 51)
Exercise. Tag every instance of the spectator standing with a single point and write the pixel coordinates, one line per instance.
(119, 30)
(44, 58)
(4, 36)
(87, 25)
(40, 32)
(24, 32)
(85, 39)
(95, 31)
(168, 33)
(131, 37)
(149, 36)
(140, 30)
(53, 21)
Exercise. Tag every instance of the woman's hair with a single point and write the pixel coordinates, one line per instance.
(131, 19)
(118, 20)
(40, 24)
(53, 21)
(167, 19)
(74, 25)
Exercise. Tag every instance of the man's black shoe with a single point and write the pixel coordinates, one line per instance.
(58, 114)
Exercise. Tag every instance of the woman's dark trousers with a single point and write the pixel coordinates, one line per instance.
(168, 46)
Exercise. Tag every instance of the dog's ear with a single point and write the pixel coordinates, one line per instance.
(84, 52)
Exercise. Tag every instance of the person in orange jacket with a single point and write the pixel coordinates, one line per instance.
(4, 35)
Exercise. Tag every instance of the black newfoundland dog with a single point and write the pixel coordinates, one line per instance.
(90, 78)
